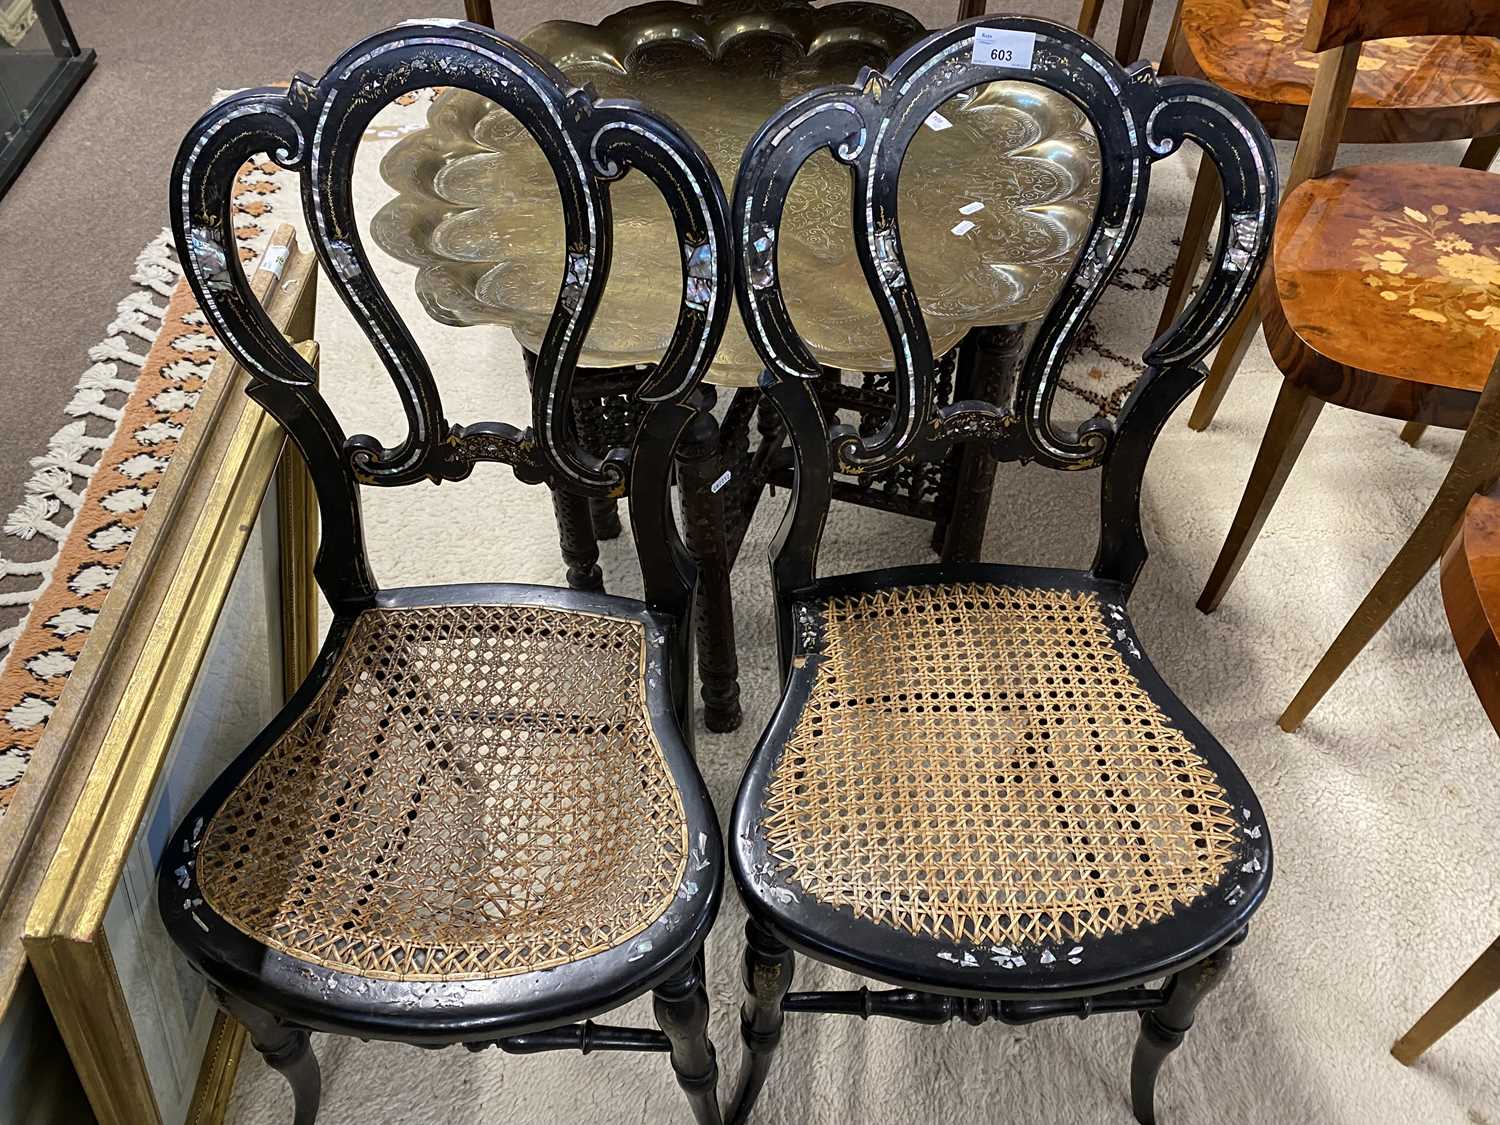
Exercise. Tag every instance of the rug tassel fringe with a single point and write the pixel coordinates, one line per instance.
(51, 498)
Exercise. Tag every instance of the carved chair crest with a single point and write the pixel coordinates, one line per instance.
(314, 128)
(1136, 119)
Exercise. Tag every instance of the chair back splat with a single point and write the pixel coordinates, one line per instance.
(313, 128)
(1137, 120)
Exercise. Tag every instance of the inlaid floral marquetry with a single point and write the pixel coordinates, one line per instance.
(1416, 88)
(1438, 265)
(1395, 269)
(998, 195)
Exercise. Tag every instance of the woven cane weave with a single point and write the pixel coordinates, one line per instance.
(476, 791)
(978, 763)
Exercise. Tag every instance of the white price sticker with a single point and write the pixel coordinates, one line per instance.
(937, 122)
(963, 228)
(995, 46)
(970, 208)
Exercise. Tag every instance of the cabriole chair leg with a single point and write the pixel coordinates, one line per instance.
(767, 975)
(286, 1049)
(1163, 1029)
(682, 1012)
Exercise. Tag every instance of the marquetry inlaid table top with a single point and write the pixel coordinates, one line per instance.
(998, 192)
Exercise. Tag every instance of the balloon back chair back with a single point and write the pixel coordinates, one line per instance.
(976, 787)
(479, 819)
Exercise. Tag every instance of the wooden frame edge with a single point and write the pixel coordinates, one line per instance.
(223, 488)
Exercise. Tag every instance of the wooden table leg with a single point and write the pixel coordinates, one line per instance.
(989, 369)
(699, 469)
(1480, 981)
(479, 11)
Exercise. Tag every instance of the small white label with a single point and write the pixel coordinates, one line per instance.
(963, 228)
(275, 260)
(995, 46)
(937, 122)
(970, 208)
(721, 482)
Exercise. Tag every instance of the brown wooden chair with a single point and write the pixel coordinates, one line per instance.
(1384, 297)
(1405, 90)
(1471, 594)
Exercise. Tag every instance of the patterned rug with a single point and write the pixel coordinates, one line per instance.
(68, 535)
(91, 487)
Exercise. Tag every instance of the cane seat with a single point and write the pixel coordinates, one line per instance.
(470, 792)
(988, 775)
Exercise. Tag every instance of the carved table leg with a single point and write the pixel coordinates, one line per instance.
(996, 352)
(580, 549)
(1163, 1029)
(682, 1012)
(287, 1050)
(768, 975)
(698, 468)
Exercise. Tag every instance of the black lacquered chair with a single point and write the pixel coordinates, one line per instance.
(479, 820)
(976, 787)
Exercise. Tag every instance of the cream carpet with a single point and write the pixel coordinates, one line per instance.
(1384, 888)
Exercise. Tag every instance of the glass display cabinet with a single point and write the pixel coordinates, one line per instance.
(41, 68)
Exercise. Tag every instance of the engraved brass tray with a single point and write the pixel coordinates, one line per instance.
(996, 194)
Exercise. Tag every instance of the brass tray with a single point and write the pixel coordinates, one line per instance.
(997, 192)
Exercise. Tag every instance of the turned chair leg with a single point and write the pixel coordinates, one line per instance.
(1163, 1028)
(767, 975)
(580, 549)
(1202, 212)
(287, 1050)
(1291, 421)
(1480, 981)
(682, 1012)
(706, 534)
(1227, 361)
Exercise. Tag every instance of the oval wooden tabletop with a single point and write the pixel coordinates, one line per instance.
(1471, 595)
(1394, 270)
(1425, 88)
